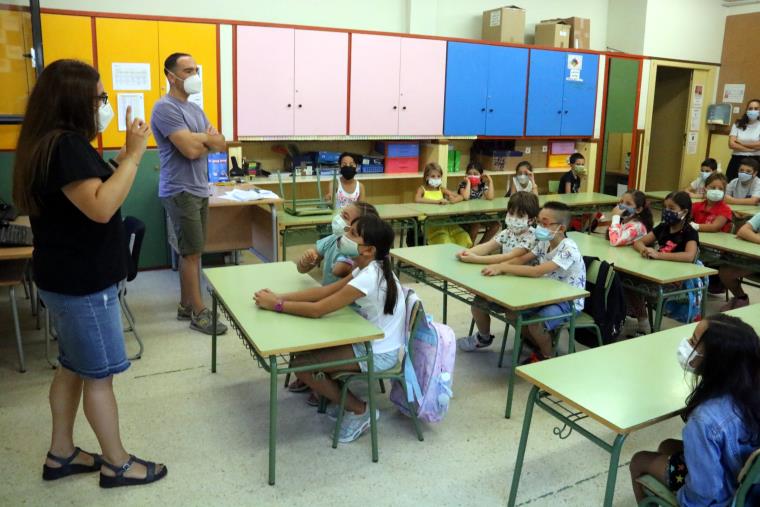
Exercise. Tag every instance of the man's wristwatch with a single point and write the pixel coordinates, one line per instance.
(278, 306)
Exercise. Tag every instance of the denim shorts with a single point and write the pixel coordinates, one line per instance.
(552, 311)
(90, 334)
(381, 362)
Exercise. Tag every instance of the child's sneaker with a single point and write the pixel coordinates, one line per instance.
(354, 425)
(535, 357)
(184, 312)
(474, 342)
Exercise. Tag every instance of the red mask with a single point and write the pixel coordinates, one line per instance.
(474, 180)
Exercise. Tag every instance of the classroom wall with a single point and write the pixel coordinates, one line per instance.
(625, 25)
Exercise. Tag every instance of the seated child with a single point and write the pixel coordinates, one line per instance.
(349, 190)
(731, 276)
(516, 240)
(523, 181)
(557, 257)
(722, 417)
(712, 214)
(376, 291)
(676, 241)
(745, 188)
(432, 192)
(631, 219)
(696, 188)
(478, 185)
(570, 183)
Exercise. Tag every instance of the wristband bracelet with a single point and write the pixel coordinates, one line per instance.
(278, 306)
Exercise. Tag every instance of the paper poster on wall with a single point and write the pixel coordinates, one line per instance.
(131, 76)
(694, 117)
(136, 100)
(195, 98)
(691, 143)
(697, 96)
(733, 93)
(575, 65)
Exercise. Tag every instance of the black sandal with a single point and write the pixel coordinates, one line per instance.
(67, 468)
(119, 479)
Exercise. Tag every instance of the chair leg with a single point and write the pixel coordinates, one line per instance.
(322, 408)
(472, 327)
(504, 345)
(598, 335)
(17, 328)
(341, 409)
(287, 375)
(131, 327)
(48, 335)
(412, 414)
(382, 385)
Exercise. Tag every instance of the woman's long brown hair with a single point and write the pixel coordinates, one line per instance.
(63, 100)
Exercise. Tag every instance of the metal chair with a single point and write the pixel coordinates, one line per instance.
(135, 229)
(12, 274)
(658, 494)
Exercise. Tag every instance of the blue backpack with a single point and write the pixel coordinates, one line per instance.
(686, 308)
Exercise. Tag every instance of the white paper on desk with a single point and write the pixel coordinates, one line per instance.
(136, 100)
(131, 76)
(248, 195)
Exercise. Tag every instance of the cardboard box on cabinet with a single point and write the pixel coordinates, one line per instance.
(554, 34)
(505, 24)
(580, 31)
(535, 152)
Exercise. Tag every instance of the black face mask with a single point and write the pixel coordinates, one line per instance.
(348, 171)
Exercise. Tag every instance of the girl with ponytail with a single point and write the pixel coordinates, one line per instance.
(375, 290)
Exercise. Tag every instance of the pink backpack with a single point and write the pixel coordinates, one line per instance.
(428, 366)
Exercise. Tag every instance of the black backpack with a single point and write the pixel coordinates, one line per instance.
(609, 316)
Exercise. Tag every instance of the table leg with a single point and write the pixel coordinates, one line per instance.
(275, 234)
(571, 331)
(371, 396)
(523, 443)
(658, 314)
(214, 305)
(445, 299)
(612, 472)
(703, 302)
(416, 226)
(516, 349)
(272, 417)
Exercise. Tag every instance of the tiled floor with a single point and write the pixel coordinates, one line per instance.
(211, 430)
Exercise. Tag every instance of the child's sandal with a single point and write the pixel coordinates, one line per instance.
(119, 479)
(67, 468)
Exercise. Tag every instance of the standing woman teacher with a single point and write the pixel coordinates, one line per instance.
(744, 139)
(80, 253)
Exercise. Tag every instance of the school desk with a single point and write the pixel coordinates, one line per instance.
(235, 225)
(403, 215)
(438, 267)
(625, 386)
(10, 253)
(719, 248)
(271, 337)
(648, 277)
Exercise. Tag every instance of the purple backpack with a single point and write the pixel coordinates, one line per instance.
(428, 364)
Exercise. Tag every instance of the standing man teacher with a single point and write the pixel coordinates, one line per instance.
(185, 137)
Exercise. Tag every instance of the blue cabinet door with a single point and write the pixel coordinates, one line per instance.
(466, 81)
(579, 95)
(545, 84)
(507, 79)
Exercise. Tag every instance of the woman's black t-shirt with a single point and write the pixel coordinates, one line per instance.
(73, 254)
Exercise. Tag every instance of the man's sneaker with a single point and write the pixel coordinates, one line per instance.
(474, 342)
(184, 312)
(354, 425)
(735, 303)
(202, 322)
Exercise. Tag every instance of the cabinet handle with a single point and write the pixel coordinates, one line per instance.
(290, 105)
(566, 111)
(559, 112)
(404, 108)
(483, 110)
(490, 110)
(300, 106)
(395, 107)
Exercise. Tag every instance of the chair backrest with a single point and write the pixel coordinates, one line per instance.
(553, 186)
(748, 477)
(135, 229)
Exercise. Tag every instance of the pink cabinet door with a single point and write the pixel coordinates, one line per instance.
(375, 61)
(422, 86)
(264, 81)
(321, 82)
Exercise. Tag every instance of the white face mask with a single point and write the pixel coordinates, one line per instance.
(191, 84)
(516, 223)
(105, 115)
(434, 182)
(685, 354)
(339, 225)
(522, 179)
(348, 247)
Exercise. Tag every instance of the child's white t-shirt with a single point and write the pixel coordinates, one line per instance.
(698, 186)
(370, 282)
(739, 191)
(568, 258)
(750, 134)
(509, 240)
